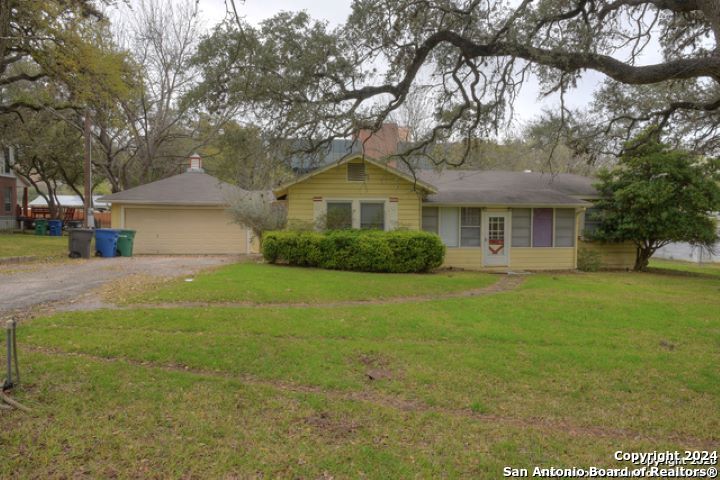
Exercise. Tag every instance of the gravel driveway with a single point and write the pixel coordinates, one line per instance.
(26, 286)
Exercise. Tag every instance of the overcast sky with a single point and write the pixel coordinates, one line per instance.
(336, 11)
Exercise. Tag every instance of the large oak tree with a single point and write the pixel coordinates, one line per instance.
(303, 79)
(52, 42)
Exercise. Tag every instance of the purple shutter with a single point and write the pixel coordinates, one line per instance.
(542, 227)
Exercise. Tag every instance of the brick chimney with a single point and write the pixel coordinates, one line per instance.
(384, 142)
(195, 163)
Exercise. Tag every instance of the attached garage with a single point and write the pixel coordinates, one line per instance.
(184, 214)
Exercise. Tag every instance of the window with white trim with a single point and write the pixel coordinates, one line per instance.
(521, 231)
(430, 219)
(449, 226)
(372, 215)
(7, 199)
(564, 227)
(338, 215)
(591, 221)
(470, 227)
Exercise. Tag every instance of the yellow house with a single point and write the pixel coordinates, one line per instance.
(487, 220)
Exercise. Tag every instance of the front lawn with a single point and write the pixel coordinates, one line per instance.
(263, 283)
(563, 371)
(28, 245)
(712, 269)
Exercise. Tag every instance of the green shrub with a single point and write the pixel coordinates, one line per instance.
(358, 250)
(588, 260)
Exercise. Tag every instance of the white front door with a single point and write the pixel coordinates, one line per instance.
(495, 239)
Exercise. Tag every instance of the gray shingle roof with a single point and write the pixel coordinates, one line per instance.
(508, 188)
(189, 188)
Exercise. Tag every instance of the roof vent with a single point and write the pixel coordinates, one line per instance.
(195, 163)
(356, 172)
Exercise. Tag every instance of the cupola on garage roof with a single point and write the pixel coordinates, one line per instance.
(193, 187)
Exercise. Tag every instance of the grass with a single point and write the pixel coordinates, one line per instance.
(263, 283)
(21, 245)
(563, 371)
(710, 269)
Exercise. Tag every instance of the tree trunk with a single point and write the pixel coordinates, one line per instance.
(642, 258)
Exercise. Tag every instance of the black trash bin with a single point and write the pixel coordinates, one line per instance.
(79, 242)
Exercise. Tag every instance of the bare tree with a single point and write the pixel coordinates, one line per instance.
(257, 210)
(416, 114)
(162, 37)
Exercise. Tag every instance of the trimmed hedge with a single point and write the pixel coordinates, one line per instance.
(399, 251)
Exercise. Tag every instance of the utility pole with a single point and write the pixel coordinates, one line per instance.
(88, 220)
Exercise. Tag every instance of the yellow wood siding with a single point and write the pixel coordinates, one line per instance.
(521, 258)
(459, 257)
(181, 230)
(550, 258)
(115, 216)
(612, 255)
(333, 184)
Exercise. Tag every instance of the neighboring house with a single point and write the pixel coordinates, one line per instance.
(389, 139)
(692, 253)
(70, 201)
(506, 220)
(183, 214)
(12, 188)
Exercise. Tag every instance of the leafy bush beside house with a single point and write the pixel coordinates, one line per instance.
(358, 250)
(588, 260)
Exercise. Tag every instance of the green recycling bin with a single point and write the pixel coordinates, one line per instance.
(41, 226)
(125, 243)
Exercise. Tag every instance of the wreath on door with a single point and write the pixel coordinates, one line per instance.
(499, 246)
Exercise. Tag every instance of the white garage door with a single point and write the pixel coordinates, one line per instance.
(185, 231)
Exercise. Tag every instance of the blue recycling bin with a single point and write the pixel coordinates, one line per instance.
(55, 228)
(106, 242)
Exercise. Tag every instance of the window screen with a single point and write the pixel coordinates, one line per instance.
(339, 215)
(449, 226)
(430, 219)
(7, 199)
(564, 227)
(521, 227)
(470, 227)
(591, 221)
(542, 225)
(356, 172)
(372, 216)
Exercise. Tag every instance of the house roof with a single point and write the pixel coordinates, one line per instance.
(189, 188)
(282, 189)
(508, 188)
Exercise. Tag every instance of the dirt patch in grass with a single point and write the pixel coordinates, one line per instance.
(337, 426)
(328, 424)
(376, 367)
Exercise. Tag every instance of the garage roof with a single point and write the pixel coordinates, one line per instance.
(189, 188)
